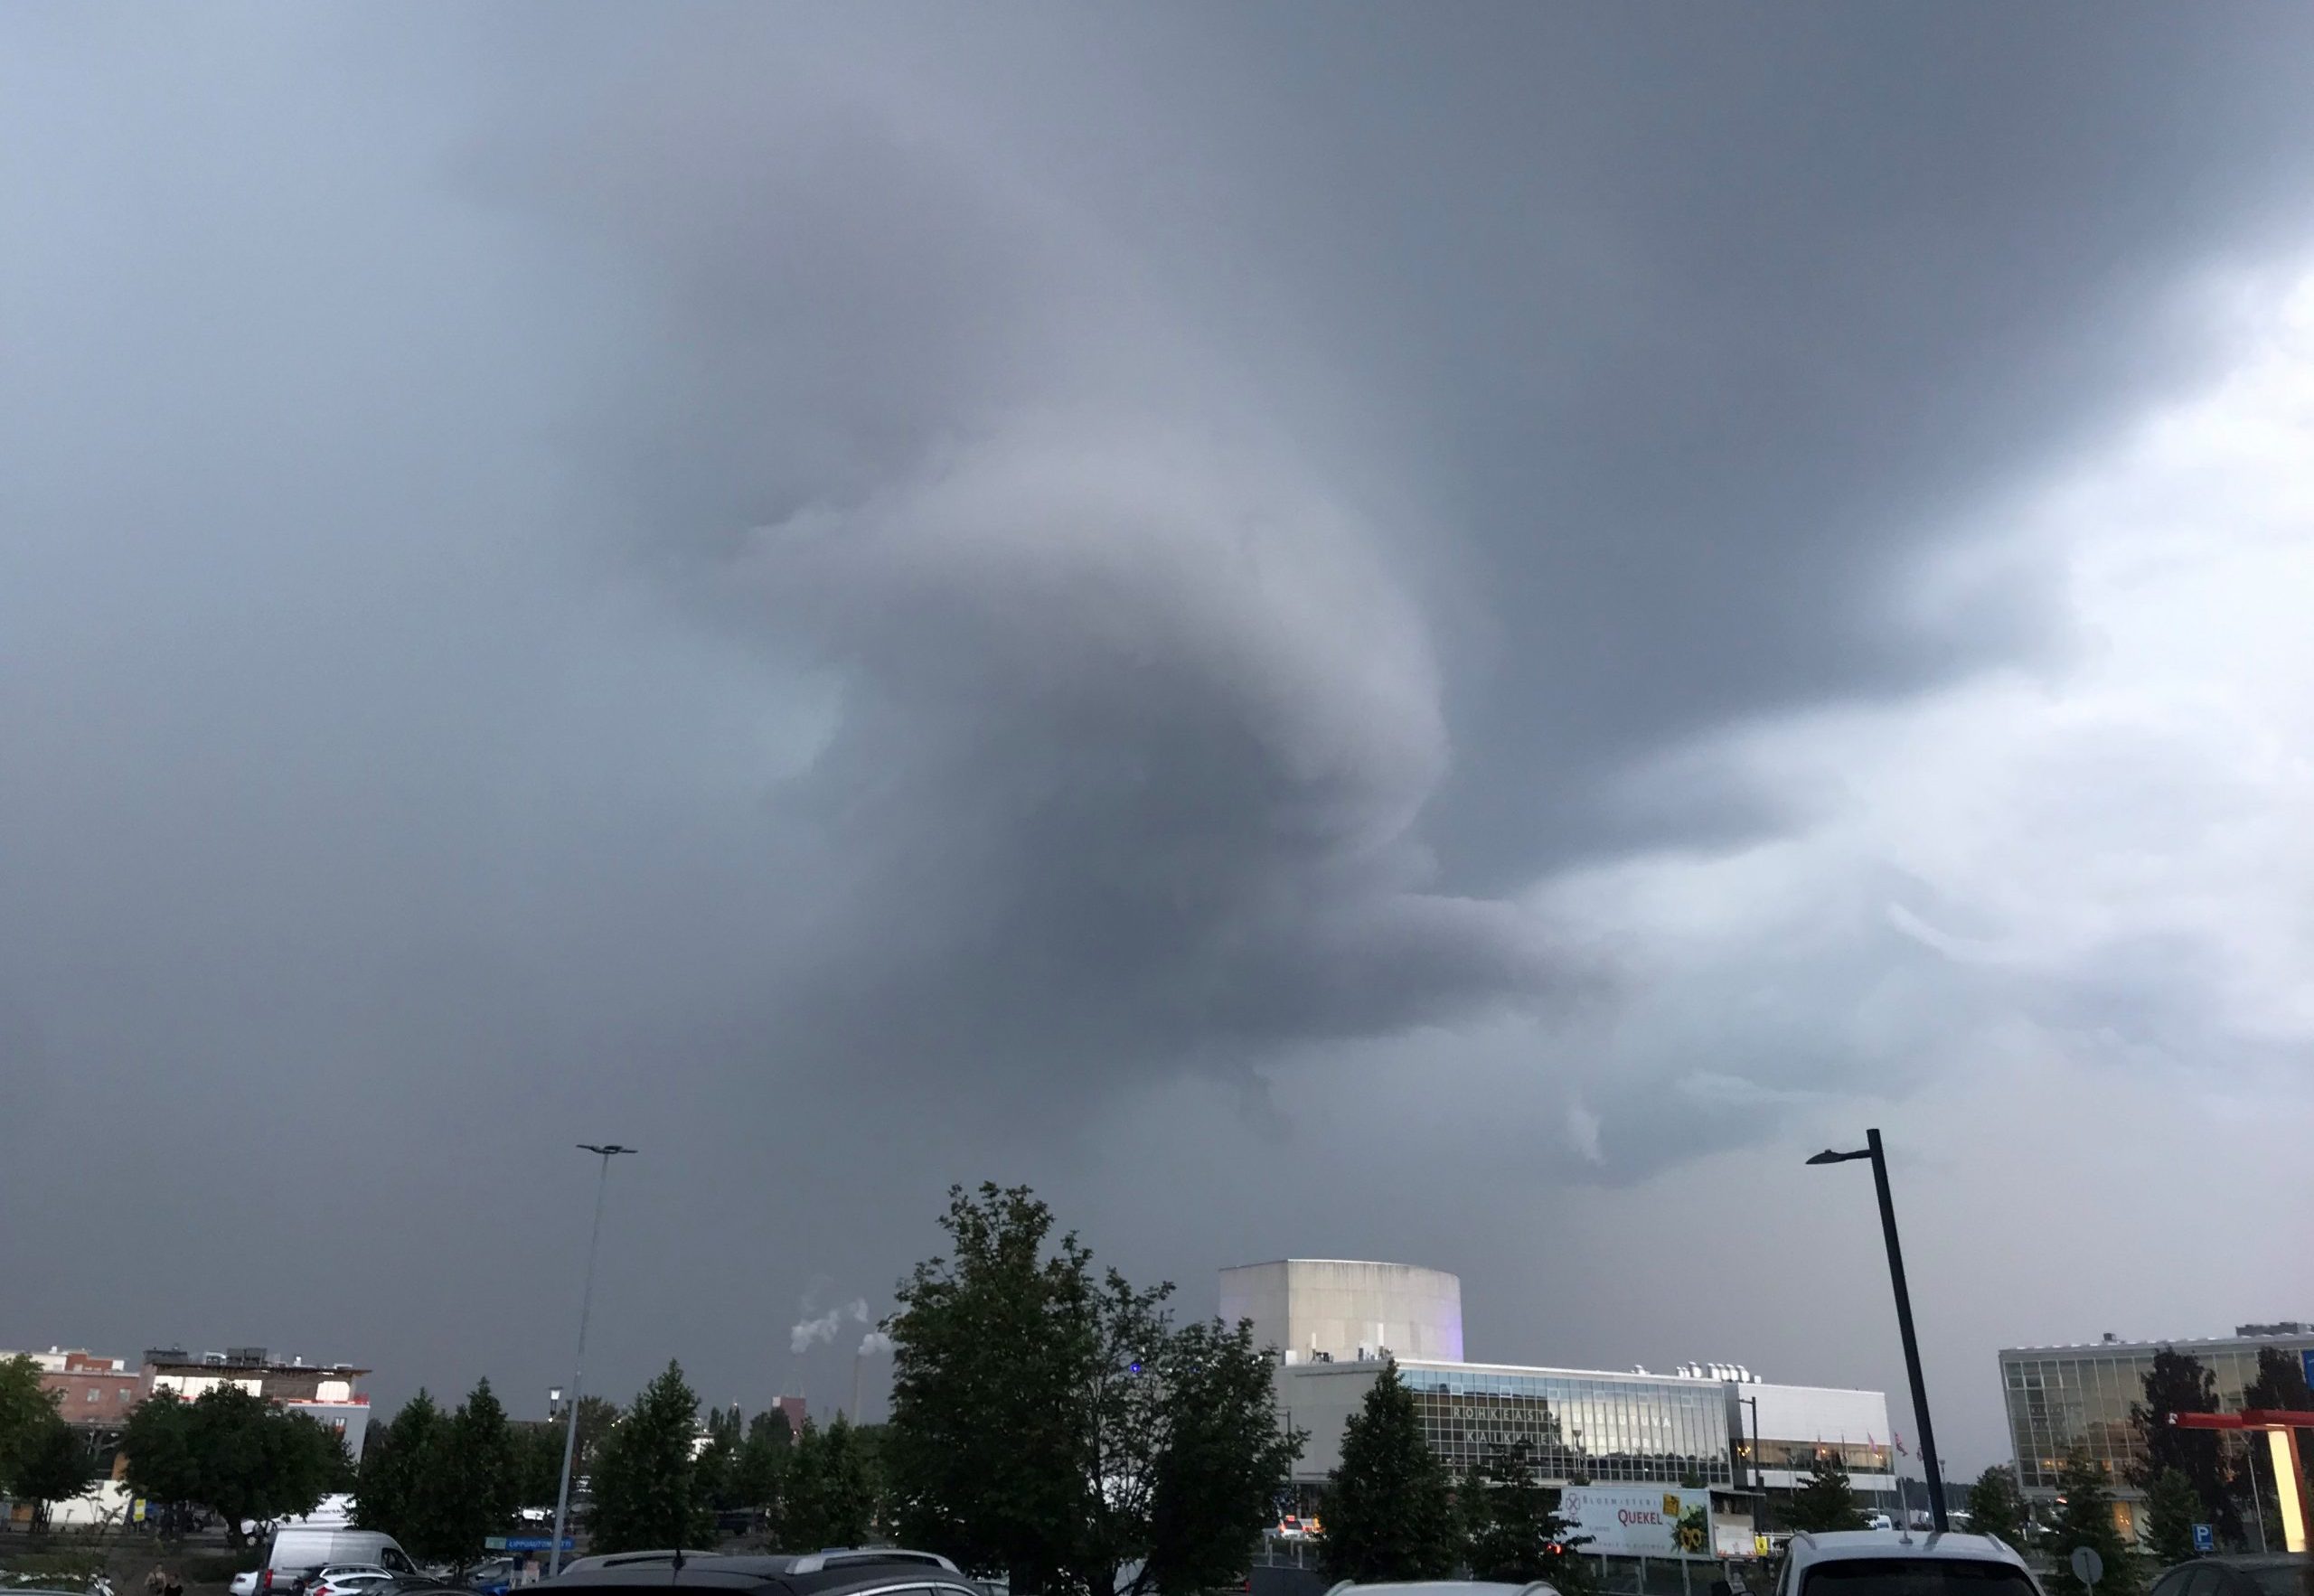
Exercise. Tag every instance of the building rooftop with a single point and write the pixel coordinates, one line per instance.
(2243, 1336)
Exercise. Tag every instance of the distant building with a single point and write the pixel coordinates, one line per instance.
(328, 1394)
(794, 1409)
(2061, 1397)
(92, 1391)
(1335, 1322)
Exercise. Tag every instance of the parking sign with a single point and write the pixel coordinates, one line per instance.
(2204, 1539)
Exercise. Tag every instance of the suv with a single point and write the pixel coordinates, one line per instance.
(1873, 1562)
(855, 1571)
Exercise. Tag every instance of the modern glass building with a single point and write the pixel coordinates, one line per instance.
(1609, 1429)
(2060, 1397)
(1337, 1322)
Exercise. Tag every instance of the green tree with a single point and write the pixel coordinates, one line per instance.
(2179, 1383)
(718, 1460)
(1996, 1507)
(25, 1410)
(400, 1462)
(1223, 1460)
(851, 1492)
(803, 1493)
(756, 1474)
(476, 1469)
(1390, 1513)
(1516, 1535)
(538, 1462)
(234, 1453)
(2281, 1383)
(644, 1482)
(2087, 1520)
(1825, 1499)
(55, 1467)
(1062, 1431)
(2172, 1509)
(991, 1346)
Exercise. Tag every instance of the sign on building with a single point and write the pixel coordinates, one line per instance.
(1639, 1520)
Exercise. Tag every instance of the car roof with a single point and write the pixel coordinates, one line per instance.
(1456, 1587)
(1839, 1545)
(806, 1574)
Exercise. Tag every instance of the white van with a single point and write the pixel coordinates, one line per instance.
(296, 1554)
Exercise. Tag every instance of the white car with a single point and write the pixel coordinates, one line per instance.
(348, 1579)
(1871, 1563)
(245, 1583)
(1443, 1588)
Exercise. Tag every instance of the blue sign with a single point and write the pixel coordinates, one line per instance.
(2204, 1540)
(527, 1543)
(2307, 1358)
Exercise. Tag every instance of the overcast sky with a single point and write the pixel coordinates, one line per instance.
(1449, 635)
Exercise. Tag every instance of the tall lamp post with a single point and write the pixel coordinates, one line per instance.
(1871, 1149)
(607, 1151)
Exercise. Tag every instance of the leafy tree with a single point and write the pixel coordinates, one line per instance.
(25, 1410)
(56, 1466)
(1996, 1507)
(2172, 1509)
(2281, 1383)
(597, 1417)
(851, 1486)
(803, 1493)
(2087, 1520)
(1516, 1535)
(476, 1471)
(1061, 1430)
(644, 1482)
(400, 1462)
(2178, 1382)
(718, 1460)
(236, 1454)
(762, 1462)
(1389, 1513)
(1825, 1499)
(1225, 1458)
(538, 1462)
(991, 1348)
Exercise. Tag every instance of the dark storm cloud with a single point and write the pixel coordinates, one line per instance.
(684, 569)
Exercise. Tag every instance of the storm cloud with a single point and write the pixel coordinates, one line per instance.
(1320, 630)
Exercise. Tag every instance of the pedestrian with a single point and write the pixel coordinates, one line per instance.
(173, 1585)
(157, 1582)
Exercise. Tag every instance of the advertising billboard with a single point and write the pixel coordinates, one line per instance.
(1639, 1520)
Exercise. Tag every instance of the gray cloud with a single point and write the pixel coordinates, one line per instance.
(788, 582)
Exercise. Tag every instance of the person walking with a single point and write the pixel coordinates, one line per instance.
(173, 1585)
(157, 1582)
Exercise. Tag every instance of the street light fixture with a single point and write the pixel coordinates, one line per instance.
(607, 1151)
(1935, 1480)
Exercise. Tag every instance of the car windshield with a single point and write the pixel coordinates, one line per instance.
(1917, 1576)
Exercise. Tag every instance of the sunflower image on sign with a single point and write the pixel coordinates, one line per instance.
(1691, 1530)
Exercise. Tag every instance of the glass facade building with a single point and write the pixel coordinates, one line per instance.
(1604, 1428)
(2060, 1397)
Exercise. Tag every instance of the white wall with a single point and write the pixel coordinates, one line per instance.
(1338, 1306)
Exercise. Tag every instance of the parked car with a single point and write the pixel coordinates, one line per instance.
(245, 1583)
(858, 1571)
(1440, 1588)
(294, 1556)
(358, 1579)
(2279, 1573)
(1871, 1563)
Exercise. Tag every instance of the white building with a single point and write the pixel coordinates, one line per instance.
(1336, 1323)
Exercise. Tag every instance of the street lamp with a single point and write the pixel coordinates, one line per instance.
(1904, 1321)
(607, 1151)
